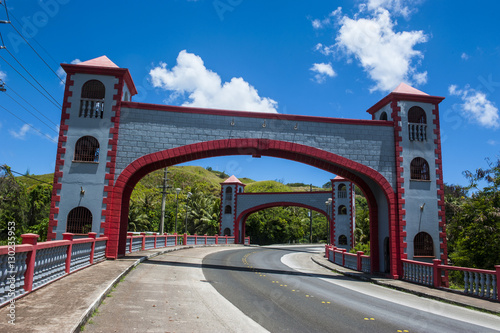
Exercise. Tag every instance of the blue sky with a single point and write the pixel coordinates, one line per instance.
(318, 58)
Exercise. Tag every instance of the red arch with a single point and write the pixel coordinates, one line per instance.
(244, 215)
(118, 205)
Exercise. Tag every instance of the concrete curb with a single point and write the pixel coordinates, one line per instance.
(90, 310)
(369, 278)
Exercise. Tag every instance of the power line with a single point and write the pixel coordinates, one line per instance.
(56, 105)
(38, 180)
(36, 129)
(27, 71)
(10, 89)
(32, 114)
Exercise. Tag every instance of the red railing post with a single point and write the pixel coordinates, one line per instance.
(143, 234)
(360, 261)
(436, 273)
(31, 239)
(69, 237)
(129, 234)
(216, 239)
(343, 257)
(205, 239)
(166, 238)
(185, 240)
(497, 267)
(92, 235)
(154, 233)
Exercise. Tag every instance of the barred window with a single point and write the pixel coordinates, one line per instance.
(87, 150)
(342, 191)
(417, 124)
(383, 116)
(229, 193)
(342, 240)
(419, 169)
(423, 245)
(342, 210)
(79, 221)
(227, 232)
(92, 100)
(227, 210)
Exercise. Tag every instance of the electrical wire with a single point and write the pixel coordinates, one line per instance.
(56, 105)
(27, 71)
(51, 128)
(36, 129)
(38, 180)
(10, 89)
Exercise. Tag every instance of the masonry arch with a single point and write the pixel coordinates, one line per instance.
(378, 191)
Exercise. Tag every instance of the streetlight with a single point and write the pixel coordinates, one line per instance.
(177, 190)
(328, 204)
(186, 223)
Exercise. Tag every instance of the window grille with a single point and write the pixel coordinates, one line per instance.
(92, 100)
(227, 210)
(342, 191)
(417, 124)
(419, 169)
(87, 150)
(342, 240)
(383, 116)
(229, 193)
(342, 210)
(79, 221)
(423, 245)
(227, 232)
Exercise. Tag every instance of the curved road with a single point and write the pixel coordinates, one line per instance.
(281, 289)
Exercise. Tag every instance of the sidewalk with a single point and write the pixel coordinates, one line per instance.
(62, 307)
(416, 289)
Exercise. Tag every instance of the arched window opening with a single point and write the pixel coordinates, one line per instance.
(417, 124)
(342, 191)
(342, 240)
(79, 221)
(419, 169)
(229, 193)
(86, 150)
(423, 245)
(227, 209)
(241, 190)
(227, 232)
(125, 96)
(92, 100)
(383, 116)
(342, 210)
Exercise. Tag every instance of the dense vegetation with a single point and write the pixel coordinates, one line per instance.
(472, 213)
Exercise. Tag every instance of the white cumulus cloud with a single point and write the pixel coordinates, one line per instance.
(3, 75)
(322, 72)
(386, 55)
(21, 134)
(204, 88)
(396, 7)
(476, 107)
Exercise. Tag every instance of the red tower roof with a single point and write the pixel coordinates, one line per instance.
(102, 61)
(232, 180)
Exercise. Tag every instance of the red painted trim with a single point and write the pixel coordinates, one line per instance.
(96, 70)
(351, 218)
(440, 186)
(392, 97)
(262, 115)
(262, 193)
(57, 185)
(116, 229)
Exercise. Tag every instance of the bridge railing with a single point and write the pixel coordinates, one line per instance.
(357, 261)
(31, 265)
(476, 282)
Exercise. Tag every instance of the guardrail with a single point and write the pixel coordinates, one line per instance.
(154, 241)
(31, 265)
(477, 282)
(357, 261)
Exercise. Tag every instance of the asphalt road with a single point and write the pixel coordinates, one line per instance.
(281, 289)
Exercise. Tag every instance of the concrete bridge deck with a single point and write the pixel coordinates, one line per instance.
(66, 304)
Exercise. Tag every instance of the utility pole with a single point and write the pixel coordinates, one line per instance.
(310, 219)
(163, 198)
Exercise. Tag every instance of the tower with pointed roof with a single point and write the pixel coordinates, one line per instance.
(86, 153)
(419, 180)
(230, 189)
(343, 213)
